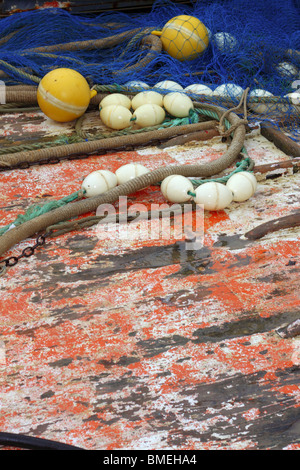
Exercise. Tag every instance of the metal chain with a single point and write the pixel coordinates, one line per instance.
(26, 253)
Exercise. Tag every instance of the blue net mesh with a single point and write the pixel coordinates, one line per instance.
(252, 45)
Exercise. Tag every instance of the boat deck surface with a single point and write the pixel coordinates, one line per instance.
(111, 343)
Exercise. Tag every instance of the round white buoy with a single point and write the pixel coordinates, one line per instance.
(228, 90)
(294, 98)
(199, 89)
(148, 115)
(137, 84)
(175, 188)
(287, 70)
(213, 196)
(98, 182)
(116, 99)
(129, 171)
(169, 85)
(243, 185)
(225, 42)
(115, 116)
(259, 108)
(147, 97)
(177, 104)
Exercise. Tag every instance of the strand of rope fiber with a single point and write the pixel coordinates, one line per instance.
(84, 206)
(153, 43)
(29, 109)
(82, 136)
(209, 99)
(20, 72)
(102, 43)
(155, 47)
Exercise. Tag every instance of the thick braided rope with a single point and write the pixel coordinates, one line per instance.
(102, 43)
(75, 209)
(98, 145)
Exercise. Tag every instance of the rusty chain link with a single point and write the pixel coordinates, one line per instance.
(26, 253)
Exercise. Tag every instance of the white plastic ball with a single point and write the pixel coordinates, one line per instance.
(175, 188)
(98, 182)
(168, 85)
(243, 185)
(225, 42)
(130, 171)
(199, 89)
(177, 104)
(294, 98)
(147, 97)
(149, 115)
(116, 98)
(229, 90)
(287, 70)
(260, 108)
(137, 84)
(115, 116)
(213, 196)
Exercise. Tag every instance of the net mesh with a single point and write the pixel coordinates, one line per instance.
(251, 44)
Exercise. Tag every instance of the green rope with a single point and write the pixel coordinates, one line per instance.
(20, 72)
(245, 165)
(135, 39)
(192, 118)
(36, 210)
(62, 140)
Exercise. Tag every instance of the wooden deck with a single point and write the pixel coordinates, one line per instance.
(117, 344)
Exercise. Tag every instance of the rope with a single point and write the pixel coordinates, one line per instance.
(20, 72)
(155, 45)
(242, 103)
(109, 142)
(245, 164)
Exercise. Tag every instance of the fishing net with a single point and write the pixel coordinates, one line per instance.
(253, 45)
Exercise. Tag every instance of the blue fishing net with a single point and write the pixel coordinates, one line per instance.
(253, 45)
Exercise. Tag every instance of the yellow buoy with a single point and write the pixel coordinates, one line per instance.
(184, 37)
(64, 94)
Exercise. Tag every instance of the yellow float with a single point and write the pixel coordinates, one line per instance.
(184, 37)
(64, 94)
